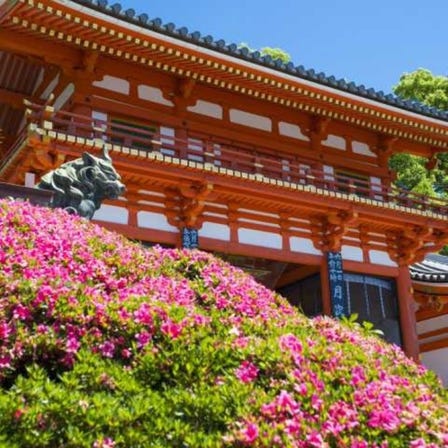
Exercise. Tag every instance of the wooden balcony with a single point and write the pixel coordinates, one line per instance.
(207, 150)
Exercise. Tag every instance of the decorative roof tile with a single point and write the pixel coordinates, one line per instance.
(170, 29)
(433, 269)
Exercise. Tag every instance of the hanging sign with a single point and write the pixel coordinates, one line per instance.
(338, 294)
(190, 238)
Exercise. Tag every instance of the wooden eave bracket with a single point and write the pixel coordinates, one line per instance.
(185, 87)
(328, 232)
(384, 148)
(186, 203)
(433, 160)
(434, 302)
(411, 244)
(318, 130)
(439, 240)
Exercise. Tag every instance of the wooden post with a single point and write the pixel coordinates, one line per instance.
(407, 313)
(325, 286)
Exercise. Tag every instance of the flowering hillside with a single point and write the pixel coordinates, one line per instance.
(106, 344)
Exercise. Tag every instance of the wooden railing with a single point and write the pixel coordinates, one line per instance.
(34, 195)
(246, 159)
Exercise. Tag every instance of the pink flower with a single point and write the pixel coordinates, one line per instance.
(315, 440)
(199, 319)
(249, 433)
(386, 419)
(21, 312)
(72, 345)
(286, 403)
(107, 349)
(289, 342)
(246, 372)
(143, 314)
(171, 329)
(358, 375)
(359, 444)
(5, 331)
(107, 442)
(143, 339)
(417, 443)
(5, 362)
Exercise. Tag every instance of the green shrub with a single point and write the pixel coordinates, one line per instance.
(106, 344)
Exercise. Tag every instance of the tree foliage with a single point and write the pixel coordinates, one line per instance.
(274, 52)
(412, 172)
(425, 87)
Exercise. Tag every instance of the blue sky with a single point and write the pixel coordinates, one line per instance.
(371, 42)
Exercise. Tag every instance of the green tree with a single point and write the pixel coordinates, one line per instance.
(412, 172)
(275, 53)
(425, 87)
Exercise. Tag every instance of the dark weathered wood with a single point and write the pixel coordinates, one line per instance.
(34, 195)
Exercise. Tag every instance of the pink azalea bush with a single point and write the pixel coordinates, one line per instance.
(106, 344)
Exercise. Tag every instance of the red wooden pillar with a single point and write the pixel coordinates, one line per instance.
(407, 313)
(133, 218)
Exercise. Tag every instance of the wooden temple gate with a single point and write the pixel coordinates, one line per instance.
(283, 171)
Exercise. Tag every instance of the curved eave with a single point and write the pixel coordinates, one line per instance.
(184, 55)
(182, 33)
(425, 279)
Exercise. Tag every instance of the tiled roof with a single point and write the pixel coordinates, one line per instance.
(182, 33)
(433, 269)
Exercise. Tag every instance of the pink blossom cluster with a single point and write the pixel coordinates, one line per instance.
(68, 285)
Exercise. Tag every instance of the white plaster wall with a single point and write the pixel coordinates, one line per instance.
(291, 130)
(437, 360)
(328, 172)
(153, 94)
(206, 108)
(102, 118)
(251, 120)
(256, 221)
(257, 212)
(362, 148)
(153, 220)
(432, 324)
(46, 93)
(150, 192)
(260, 238)
(381, 257)
(214, 230)
(64, 96)
(303, 171)
(167, 136)
(97, 115)
(196, 149)
(375, 183)
(113, 83)
(30, 180)
(335, 141)
(112, 213)
(304, 245)
(352, 253)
